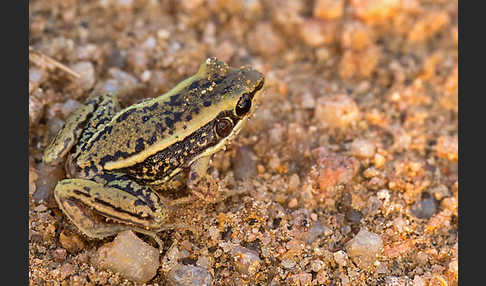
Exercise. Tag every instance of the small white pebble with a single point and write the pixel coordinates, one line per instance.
(339, 111)
(40, 208)
(214, 233)
(246, 261)
(204, 261)
(294, 182)
(384, 195)
(341, 258)
(130, 256)
(163, 34)
(293, 203)
(36, 75)
(288, 263)
(418, 281)
(308, 100)
(364, 248)
(149, 44)
(362, 148)
(86, 73)
(327, 231)
(146, 76)
(316, 265)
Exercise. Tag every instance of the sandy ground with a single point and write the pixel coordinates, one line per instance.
(347, 173)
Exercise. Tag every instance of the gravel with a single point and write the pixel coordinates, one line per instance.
(315, 232)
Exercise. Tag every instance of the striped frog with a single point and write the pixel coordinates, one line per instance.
(117, 159)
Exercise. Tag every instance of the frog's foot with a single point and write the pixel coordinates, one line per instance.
(201, 184)
(205, 188)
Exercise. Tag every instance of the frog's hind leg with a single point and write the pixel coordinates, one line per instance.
(106, 106)
(95, 111)
(101, 210)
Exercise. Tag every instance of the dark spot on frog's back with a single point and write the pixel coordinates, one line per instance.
(177, 116)
(170, 122)
(159, 127)
(145, 118)
(175, 100)
(207, 103)
(152, 107)
(194, 85)
(152, 139)
(116, 156)
(219, 80)
(206, 85)
(140, 145)
(139, 203)
(125, 115)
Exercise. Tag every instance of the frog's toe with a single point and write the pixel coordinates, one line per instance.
(207, 189)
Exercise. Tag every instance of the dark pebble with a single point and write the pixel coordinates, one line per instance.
(354, 216)
(424, 208)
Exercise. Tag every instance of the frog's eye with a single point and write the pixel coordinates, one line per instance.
(223, 127)
(244, 105)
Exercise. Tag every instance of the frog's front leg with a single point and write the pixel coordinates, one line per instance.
(201, 183)
(111, 204)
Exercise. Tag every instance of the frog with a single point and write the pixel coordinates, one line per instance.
(118, 161)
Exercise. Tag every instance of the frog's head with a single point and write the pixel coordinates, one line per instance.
(234, 93)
